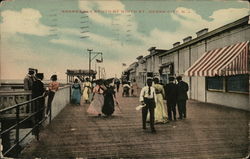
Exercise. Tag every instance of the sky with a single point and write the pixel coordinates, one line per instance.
(54, 35)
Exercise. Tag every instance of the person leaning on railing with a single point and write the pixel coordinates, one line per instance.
(53, 87)
(38, 90)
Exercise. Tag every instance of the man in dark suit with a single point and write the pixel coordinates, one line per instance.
(171, 97)
(182, 88)
(39, 104)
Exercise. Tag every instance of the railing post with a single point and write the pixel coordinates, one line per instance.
(70, 91)
(1, 146)
(17, 130)
(50, 114)
(1, 149)
(37, 118)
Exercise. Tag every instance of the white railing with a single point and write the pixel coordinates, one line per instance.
(10, 98)
(61, 99)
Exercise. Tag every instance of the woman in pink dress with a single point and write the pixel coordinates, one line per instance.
(53, 87)
(97, 103)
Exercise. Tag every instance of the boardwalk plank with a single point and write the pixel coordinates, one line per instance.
(209, 132)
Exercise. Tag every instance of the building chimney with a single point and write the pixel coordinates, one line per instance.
(202, 32)
(187, 39)
(176, 44)
(151, 50)
(139, 57)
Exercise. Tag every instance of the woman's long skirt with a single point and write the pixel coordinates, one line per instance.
(96, 105)
(76, 96)
(160, 112)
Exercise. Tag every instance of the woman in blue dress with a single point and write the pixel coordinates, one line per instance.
(76, 93)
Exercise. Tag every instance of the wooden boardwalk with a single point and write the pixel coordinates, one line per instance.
(209, 132)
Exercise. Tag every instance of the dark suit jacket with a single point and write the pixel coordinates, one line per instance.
(37, 89)
(182, 88)
(171, 92)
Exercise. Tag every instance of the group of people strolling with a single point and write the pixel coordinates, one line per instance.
(152, 96)
(100, 94)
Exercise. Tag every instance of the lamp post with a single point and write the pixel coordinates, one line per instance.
(99, 72)
(92, 58)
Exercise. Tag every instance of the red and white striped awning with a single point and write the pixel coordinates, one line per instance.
(226, 61)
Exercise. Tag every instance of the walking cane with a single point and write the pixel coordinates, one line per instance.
(117, 104)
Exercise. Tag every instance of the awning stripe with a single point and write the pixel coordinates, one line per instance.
(204, 60)
(225, 57)
(216, 61)
(215, 54)
(240, 54)
(229, 60)
(245, 61)
(232, 57)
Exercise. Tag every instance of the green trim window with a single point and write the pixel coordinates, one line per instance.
(215, 83)
(237, 83)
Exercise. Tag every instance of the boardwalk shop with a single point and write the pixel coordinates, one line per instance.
(215, 64)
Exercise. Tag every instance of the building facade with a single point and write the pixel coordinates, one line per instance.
(192, 61)
(230, 90)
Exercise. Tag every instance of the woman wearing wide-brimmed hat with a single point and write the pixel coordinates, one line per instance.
(97, 103)
(109, 98)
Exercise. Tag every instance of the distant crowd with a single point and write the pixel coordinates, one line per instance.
(100, 94)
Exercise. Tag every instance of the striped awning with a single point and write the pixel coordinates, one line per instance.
(226, 61)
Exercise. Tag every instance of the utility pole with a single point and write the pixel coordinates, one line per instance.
(92, 58)
(99, 68)
(89, 50)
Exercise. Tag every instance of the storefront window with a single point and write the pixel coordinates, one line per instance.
(215, 83)
(238, 83)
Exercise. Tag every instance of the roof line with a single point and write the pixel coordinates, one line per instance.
(224, 28)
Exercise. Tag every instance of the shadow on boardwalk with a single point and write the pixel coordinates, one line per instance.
(209, 132)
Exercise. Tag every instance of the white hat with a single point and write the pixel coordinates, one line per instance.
(140, 106)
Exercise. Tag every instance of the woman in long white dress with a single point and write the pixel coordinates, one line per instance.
(87, 90)
(160, 113)
(96, 105)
